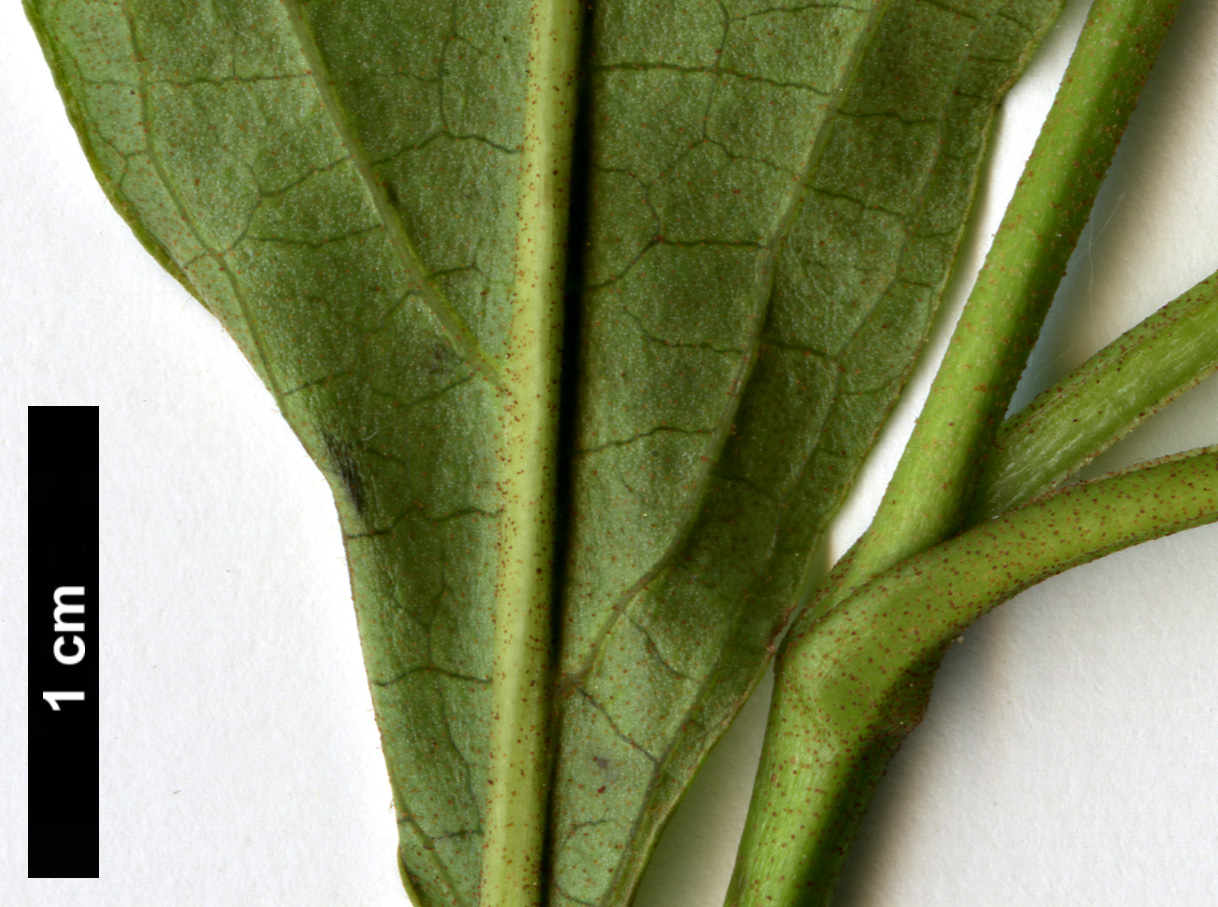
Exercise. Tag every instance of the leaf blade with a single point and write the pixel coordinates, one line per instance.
(217, 133)
(690, 633)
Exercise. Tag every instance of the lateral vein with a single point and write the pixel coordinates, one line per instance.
(458, 333)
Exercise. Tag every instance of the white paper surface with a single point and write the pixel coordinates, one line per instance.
(1070, 755)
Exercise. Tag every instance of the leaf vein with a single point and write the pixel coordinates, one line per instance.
(458, 333)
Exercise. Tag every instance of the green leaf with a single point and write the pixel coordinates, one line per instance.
(769, 235)
(774, 197)
(341, 192)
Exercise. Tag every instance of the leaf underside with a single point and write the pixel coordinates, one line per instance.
(774, 196)
(763, 267)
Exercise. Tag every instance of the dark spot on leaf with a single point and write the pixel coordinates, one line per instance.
(391, 194)
(342, 455)
(440, 358)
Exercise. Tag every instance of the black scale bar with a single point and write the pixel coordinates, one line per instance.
(63, 642)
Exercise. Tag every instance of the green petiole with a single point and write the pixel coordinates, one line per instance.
(1068, 425)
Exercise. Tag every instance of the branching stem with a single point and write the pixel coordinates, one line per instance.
(853, 685)
(929, 494)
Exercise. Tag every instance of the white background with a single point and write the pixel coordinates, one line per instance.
(1070, 755)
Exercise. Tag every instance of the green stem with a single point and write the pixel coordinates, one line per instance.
(853, 689)
(854, 676)
(1072, 422)
(514, 832)
(929, 494)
